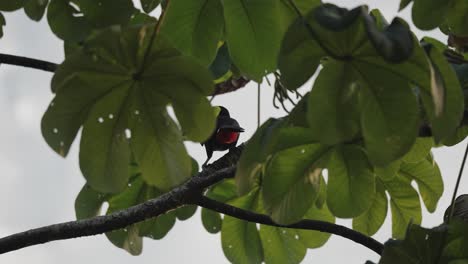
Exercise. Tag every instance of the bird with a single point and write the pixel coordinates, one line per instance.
(225, 135)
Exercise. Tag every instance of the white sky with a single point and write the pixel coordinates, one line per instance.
(39, 187)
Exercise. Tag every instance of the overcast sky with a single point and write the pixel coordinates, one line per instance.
(39, 188)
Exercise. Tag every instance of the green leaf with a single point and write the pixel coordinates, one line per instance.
(428, 15)
(253, 35)
(404, 3)
(389, 114)
(370, 222)
(149, 5)
(222, 192)
(351, 181)
(446, 110)
(292, 182)
(420, 246)
(195, 27)
(300, 54)
(185, 212)
(65, 23)
(419, 151)
(240, 239)
(221, 66)
(35, 9)
(281, 245)
(127, 239)
(316, 239)
(427, 176)
(88, 203)
(104, 148)
(122, 111)
(332, 110)
(11, 5)
(404, 203)
(211, 221)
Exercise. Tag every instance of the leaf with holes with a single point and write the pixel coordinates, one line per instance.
(195, 27)
(240, 239)
(119, 94)
(281, 245)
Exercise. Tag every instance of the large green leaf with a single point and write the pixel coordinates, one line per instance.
(118, 89)
(253, 35)
(281, 245)
(404, 203)
(195, 27)
(420, 150)
(332, 110)
(351, 181)
(370, 222)
(427, 175)
(240, 239)
(292, 182)
(389, 117)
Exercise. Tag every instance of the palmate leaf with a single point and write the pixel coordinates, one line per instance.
(370, 222)
(378, 63)
(118, 90)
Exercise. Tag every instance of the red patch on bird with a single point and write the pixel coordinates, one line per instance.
(226, 136)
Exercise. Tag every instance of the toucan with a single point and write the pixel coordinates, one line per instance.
(224, 136)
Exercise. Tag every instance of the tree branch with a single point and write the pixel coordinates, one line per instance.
(306, 224)
(28, 62)
(191, 192)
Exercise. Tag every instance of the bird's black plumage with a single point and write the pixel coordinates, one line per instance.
(225, 135)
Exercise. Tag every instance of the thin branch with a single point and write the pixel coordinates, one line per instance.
(457, 185)
(306, 224)
(28, 62)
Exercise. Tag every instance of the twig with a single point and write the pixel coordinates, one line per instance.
(307, 224)
(28, 62)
